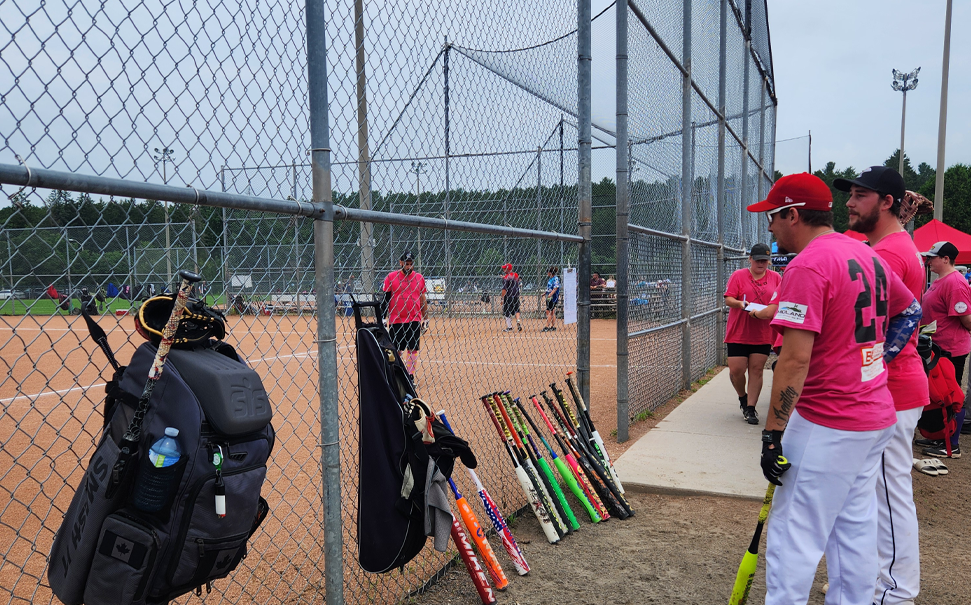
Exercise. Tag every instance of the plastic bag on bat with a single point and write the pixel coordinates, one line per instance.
(396, 510)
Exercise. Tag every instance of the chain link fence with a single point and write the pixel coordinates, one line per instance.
(695, 141)
(140, 139)
(456, 128)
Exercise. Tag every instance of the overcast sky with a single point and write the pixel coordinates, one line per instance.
(833, 62)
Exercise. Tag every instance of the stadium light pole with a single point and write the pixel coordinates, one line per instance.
(419, 168)
(903, 82)
(166, 155)
(942, 123)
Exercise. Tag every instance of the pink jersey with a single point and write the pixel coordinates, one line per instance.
(742, 328)
(839, 289)
(406, 291)
(906, 378)
(946, 300)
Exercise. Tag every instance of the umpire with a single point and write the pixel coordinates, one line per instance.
(842, 314)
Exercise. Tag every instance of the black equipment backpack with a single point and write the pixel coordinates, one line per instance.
(109, 550)
(393, 453)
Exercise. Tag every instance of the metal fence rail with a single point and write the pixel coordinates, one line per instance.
(695, 134)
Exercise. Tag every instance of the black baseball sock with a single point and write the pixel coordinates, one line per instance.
(743, 401)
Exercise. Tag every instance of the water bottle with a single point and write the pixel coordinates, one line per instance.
(165, 451)
(158, 476)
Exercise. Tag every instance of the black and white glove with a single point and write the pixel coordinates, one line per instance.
(774, 464)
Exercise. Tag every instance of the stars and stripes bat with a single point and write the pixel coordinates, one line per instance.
(467, 555)
(565, 473)
(539, 510)
(578, 474)
(527, 465)
(495, 515)
(129, 442)
(593, 461)
(473, 529)
(592, 433)
(514, 407)
(750, 560)
(607, 498)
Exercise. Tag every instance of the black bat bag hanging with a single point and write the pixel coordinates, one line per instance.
(390, 527)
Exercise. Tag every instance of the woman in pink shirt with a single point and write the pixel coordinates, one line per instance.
(948, 302)
(751, 298)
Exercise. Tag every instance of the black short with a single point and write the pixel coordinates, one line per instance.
(510, 306)
(551, 303)
(406, 336)
(739, 350)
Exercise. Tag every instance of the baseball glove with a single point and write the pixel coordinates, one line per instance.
(913, 204)
(199, 323)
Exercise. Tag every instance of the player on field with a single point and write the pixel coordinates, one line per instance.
(552, 297)
(948, 302)
(879, 208)
(751, 298)
(407, 310)
(510, 297)
(841, 312)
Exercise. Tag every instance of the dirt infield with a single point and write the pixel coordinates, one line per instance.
(50, 420)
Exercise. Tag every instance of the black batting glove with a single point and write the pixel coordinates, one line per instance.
(773, 462)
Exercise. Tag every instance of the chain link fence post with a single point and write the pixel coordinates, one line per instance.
(585, 193)
(330, 461)
(623, 238)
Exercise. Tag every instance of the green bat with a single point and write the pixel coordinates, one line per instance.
(746, 570)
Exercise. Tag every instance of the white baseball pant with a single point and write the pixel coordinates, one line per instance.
(827, 502)
(899, 579)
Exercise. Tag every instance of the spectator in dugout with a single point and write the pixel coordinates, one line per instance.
(751, 296)
(948, 302)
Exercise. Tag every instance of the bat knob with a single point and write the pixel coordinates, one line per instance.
(782, 460)
(189, 276)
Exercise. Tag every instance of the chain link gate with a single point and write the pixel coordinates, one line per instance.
(695, 144)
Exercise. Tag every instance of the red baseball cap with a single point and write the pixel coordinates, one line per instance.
(507, 267)
(801, 190)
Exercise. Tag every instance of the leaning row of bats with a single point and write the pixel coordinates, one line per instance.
(582, 464)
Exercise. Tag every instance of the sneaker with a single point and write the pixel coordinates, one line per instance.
(750, 415)
(929, 443)
(553, 329)
(507, 329)
(519, 326)
(546, 329)
(941, 452)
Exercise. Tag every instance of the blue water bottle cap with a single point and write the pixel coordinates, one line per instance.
(171, 431)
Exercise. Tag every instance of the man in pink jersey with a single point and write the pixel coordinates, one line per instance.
(842, 313)
(948, 302)
(877, 209)
(751, 299)
(407, 310)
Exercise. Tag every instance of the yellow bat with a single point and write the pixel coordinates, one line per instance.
(746, 570)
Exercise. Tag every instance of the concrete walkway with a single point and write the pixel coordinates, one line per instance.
(703, 447)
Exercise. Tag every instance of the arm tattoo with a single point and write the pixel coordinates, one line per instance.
(788, 398)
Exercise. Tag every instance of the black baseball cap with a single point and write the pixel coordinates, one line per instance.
(942, 249)
(883, 180)
(407, 256)
(760, 252)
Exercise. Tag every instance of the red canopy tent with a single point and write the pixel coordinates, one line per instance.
(855, 235)
(936, 231)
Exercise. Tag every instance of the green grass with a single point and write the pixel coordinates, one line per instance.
(46, 306)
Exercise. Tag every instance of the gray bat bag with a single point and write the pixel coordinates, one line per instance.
(161, 531)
